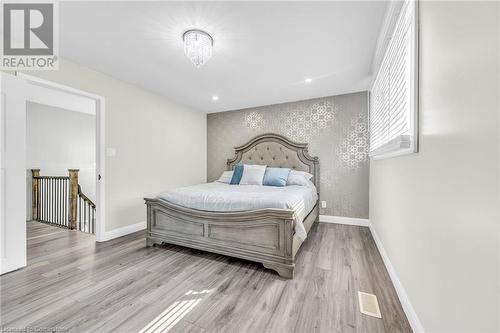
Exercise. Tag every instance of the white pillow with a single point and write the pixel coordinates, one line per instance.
(226, 177)
(253, 174)
(299, 178)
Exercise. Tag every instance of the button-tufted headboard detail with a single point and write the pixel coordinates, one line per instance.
(275, 150)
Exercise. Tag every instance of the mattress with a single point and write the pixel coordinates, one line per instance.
(221, 197)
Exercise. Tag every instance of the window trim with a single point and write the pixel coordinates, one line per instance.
(403, 144)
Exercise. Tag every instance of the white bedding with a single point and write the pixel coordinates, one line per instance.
(221, 197)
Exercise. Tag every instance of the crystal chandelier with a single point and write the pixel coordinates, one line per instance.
(198, 46)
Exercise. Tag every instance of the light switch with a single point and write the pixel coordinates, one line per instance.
(110, 152)
(323, 204)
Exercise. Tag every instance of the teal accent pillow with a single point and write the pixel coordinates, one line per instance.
(237, 174)
(276, 176)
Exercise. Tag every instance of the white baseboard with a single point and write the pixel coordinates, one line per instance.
(415, 323)
(344, 220)
(119, 232)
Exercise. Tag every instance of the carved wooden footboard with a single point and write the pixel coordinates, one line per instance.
(265, 236)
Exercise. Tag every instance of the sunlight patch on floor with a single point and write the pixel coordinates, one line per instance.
(175, 312)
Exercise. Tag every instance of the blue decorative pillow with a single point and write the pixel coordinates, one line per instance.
(237, 174)
(276, 176)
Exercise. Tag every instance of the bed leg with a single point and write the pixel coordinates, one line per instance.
(283, 271)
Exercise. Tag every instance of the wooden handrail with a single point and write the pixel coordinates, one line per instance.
(51, 177)
(84, 197)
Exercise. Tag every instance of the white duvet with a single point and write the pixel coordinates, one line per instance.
(221, 197)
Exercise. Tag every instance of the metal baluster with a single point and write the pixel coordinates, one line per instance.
(57, 201)
(49, 203)
(38, 198)
(65, 213)
(81, 212)
(40, 215)
(60, 202)
(38, 207)
(53, 200)
(63, 202)
(50, 200)
(67, 203)
(44, 199)
(38, 202)
(47, 212)
(85, 215)
(88, 205)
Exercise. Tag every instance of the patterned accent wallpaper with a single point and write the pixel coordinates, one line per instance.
(336, 129)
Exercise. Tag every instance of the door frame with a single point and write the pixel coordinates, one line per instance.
(100, 142)
(13, 174)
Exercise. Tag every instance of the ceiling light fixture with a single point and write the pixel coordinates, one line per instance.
(198, 46)
(308, 80)
(215, 98)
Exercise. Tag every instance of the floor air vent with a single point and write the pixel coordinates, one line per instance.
(368, 304)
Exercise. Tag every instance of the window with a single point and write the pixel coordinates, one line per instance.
(394, 95)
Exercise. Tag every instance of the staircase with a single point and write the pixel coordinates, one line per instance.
(59, 200)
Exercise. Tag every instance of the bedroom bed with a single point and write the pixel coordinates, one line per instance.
(265, 224)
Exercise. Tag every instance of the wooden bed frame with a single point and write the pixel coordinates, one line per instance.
(265, 235)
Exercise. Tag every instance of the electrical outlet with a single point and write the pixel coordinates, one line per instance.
(323, 204)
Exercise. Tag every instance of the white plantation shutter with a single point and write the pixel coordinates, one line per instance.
(393, 95)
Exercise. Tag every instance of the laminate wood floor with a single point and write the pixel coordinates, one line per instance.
(73, 284)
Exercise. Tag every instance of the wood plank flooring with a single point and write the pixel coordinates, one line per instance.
(73, 284)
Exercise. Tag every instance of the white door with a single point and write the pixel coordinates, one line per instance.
(12, 173)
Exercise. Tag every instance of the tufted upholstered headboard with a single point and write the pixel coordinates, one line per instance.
(275, 150)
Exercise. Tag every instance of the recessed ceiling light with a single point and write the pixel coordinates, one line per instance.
(215, 98)
(308, 80)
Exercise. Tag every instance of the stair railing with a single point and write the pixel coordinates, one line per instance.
(86, 213)
(59, 200)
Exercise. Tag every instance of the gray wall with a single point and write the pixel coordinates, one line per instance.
(437, 212)
(337, 132)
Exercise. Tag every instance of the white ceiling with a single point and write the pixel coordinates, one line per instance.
(262, 51)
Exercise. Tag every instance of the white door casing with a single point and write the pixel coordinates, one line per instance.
(12, 173)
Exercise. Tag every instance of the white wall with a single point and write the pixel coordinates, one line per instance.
(159, 144)
(437, 212)
(58, 140)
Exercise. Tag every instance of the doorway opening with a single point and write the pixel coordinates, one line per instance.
(61, 166)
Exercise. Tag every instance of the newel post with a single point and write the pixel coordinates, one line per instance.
(73, 197)
(35, 193)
